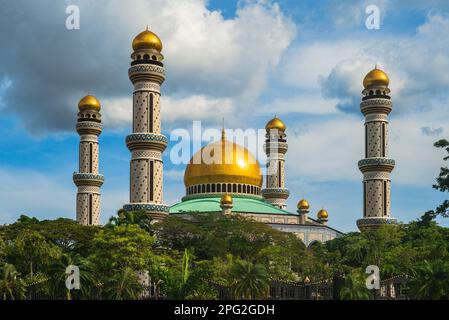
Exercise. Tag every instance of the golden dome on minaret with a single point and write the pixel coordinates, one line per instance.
(232, 164)
(275, 123)
(147, 40)
(303, 204)
(376, 77)
(226, 199)
(322, 214)
(89, 102)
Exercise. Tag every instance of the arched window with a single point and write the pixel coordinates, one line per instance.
(218, 187)
(213, 187)
(203, 188)
(208, 188)
(146, 57)
(234, 188)
(153, 57)
(138, 57)
(377, 91)
(239, 188)
(229, 187)
(371, 92)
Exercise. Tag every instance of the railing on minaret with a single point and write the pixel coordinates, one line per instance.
(146, 143)
(376, 105)
(87, 179)
(275, 149)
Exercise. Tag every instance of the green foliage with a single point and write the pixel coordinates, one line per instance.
(12, 287)
(121, 247)
(123, 285)
(249, 280)
(355, 288)
(430, 281)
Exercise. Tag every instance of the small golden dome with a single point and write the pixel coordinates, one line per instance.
(303, 204)
(89, 102)
(235, 165)
(322, 214)
(147, 40)
(226, 199)
(275, 123)
(376, 77)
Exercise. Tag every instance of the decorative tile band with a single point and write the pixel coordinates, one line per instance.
(375, 221)
(275, 190)
(146, 68)
(147, 207)
(136, 137)
(87, 176)
(376, 161)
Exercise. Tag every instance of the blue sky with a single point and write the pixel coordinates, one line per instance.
(242, 60)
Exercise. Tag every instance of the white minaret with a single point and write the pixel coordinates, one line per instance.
(146, 143)
(87, 179)
(275, 148)
(376, 167)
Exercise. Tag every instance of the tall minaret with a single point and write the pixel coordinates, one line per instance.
(88, 180)
(275, 148)
(376, 167)
(146, 143)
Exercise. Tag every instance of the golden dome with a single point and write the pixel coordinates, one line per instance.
(147, 40)
(89, 102)
(303, 204)
(275, 123)
(376, 77)
(322, 214)
(226, 199)
(232, 164)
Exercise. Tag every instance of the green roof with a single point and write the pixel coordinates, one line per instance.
(212, 204)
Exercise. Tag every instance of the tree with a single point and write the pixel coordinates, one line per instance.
(57, 276)
(32, 250)
(430, 281)
(123, 285)
(442, 184)
(140, 218)
(249, 281)
(12, 287)
(354, 288)
(121, 247)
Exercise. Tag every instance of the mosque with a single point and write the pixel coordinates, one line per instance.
(234, 183)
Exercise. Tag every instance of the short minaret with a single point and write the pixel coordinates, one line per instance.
(226, 204)
(275, 149)
(322, 216)
(376, 167)
(146, 143)
(303, 210)
(87, 179)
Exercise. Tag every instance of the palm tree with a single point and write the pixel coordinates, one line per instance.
(58, 276)
(355, 288)
(430, 281)
(123, 286)
(123, 217)
(249, 281)
(11, 285)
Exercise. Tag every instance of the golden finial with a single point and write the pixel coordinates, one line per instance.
(223, 133)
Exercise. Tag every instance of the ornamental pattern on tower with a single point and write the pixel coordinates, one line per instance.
(275, 149)
(88, 180)
(376, 105)
(146, 143)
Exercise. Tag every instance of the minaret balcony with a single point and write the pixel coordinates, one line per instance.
(146, 72)
(271, 193)
(146, 141)
(376, 105)
(88, 179)
(376, 164)
(88, 127)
